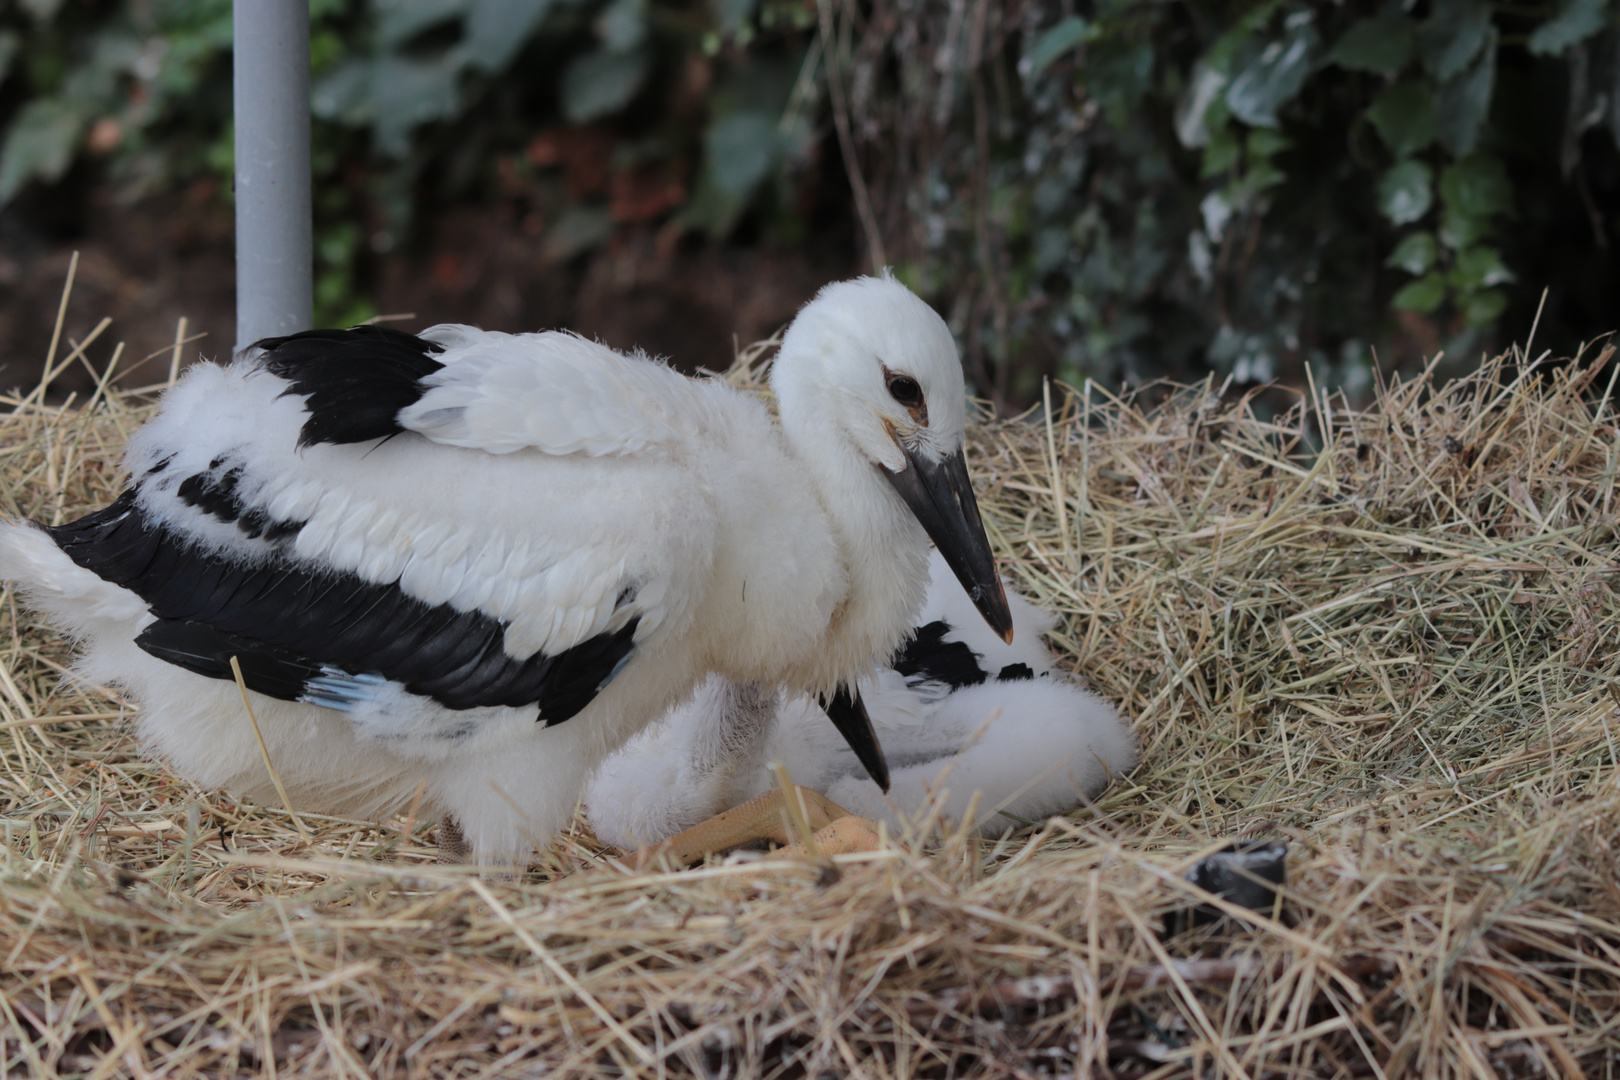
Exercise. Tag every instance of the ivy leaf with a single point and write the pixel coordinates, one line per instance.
(1479, 268)
(406, 92)
(741, 147)
(1405, 193)
(1423, 295)
(622, 25)
(1473, 191)
(1404, 117)
(1477, 186)
(400, 20)
(1452, 35)
(40, 143)
(43, 11)
(601, 83)
(1414, 254)
(9, 40)
(1462, 103)
(1576, 21)
(1382, 43)
(1222, 152)
(1483, 308)
(736, 14)
(1276, 75)
(496, 30)
(344, 93)
(1264, 144)
(1192, 112)
(1055, 42)
(579, 229)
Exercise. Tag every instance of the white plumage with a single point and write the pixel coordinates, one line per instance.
(1025, 740)
(414, 544)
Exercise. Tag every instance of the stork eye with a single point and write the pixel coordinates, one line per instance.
(905, 390)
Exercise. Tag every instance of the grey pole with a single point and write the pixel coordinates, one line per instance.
(274, 253)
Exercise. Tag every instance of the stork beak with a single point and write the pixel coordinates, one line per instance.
(848, 713)
(941, 495)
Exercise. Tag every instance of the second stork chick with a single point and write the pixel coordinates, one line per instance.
(968, 722)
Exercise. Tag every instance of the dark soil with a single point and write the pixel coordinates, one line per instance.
(148, 263)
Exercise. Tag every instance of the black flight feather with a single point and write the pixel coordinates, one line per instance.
(277, 673)
(927, 657)
(354, 382)
(284, 621)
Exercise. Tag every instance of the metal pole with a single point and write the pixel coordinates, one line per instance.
(274, 253)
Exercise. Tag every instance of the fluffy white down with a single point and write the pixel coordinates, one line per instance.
(1032, 748)
(539, 475)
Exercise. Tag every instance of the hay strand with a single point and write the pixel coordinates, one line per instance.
(1382, 634)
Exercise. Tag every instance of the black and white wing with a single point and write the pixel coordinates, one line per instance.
(285, 514)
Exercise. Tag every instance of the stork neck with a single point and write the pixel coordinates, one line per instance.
(883, 548)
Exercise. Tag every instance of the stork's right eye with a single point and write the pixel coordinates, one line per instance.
(905, 390)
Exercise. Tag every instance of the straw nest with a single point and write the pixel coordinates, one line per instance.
(1382, 635)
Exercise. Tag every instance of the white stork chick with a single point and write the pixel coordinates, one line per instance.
(960, 713)
(471, 564)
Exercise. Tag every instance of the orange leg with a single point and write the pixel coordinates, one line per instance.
(845, 836)
(765, 818)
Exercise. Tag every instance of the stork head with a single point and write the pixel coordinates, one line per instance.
(870, 366)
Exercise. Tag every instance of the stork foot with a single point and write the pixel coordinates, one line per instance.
(453, 847)
(835, 831)
(847, 835)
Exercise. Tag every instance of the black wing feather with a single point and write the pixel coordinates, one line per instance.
(927, 657)
(197, 647)
(354, 382)
(287, 623)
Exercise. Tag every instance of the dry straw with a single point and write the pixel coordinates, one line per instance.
(1383, 635)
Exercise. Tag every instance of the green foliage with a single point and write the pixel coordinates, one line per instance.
(1257, 186)
(1105, 188)
(417, 102)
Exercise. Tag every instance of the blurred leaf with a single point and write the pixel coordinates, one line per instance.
(741, 147)
(9, 40)
(1055, 42)
(40, 143)
(391, 93)
(497, 30)
(601, 83)
(1463, 102)
(1404, 117)
(1452, 35)
(1222, 152)
(43, 11)
(1263, 143)
(1477, 186)
(344, 93)
(1382, 43)
(1479, 268)
(1483, 308)
(407, 92)
(622, 26)
(1472, 191)
(1576, 21)
(1405, 193)
(1423, 295)
(1414, 254)
(1203, 90)
(579, 229)
(736, 14)
(1263, 175)
(1276, 75)
(400, 20)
